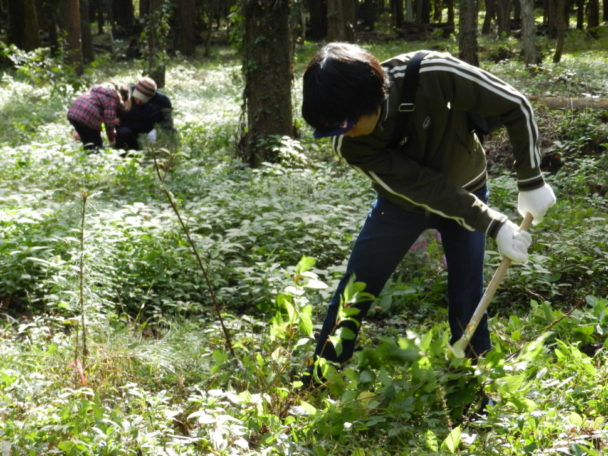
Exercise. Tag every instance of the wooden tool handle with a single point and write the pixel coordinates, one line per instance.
(481, 308)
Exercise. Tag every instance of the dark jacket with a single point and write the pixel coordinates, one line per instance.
(442, 162)
(143, 118)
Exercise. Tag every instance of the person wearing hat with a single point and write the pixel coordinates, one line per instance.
(149, 110)
(99, 106)
(434, 177)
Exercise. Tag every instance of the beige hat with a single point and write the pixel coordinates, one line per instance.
(144, 89)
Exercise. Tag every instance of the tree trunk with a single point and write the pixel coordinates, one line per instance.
(528, 33)
(503, 13)
(185, 36)
(99, 8)
(267, 67)
(124, 16)
(318, 19)
(450, 7)
(367, 13)
(580, 14)
(605, 13)
(397, 13)
(88, 53)
(467, 39)
(423, 12)
(336, 21)
(71, 13)
(437, 10)
(409, 11)
(489, 17)
(562, 27)
(593, 14)
(23, 24)
(156, 43)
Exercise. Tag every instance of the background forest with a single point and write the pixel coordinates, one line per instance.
(165, 302)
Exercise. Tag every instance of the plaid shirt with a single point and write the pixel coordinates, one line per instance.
(99, 105)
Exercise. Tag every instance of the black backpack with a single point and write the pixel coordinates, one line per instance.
(479, 124)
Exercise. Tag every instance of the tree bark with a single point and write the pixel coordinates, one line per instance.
(397, 13)
(123, 15)
(71, 13)
(503, 13)
(88, 53)
(318, 19)
(489, 17)
(409, 11)
(423, 12)
(156, 43)
(340, 25)
(467, 38)
(185, 35)
(268, 71)
(450, 7)
(561, 28)
(23, 24)
(580, 14)
(593, 14)
(437, 10)
(528, 33)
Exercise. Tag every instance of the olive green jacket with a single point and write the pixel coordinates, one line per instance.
(442, 162)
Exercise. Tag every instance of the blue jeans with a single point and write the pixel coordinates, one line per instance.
(386, 236)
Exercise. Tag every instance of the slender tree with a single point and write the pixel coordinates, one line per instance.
(423, 12)
(528, 33)
(23, 24)
(123, 14)
(185, 35)
(561, 28)
(489, 16)
(593, 13)
(409, 11)
(450, 8)
(268, 71)
(156, 31)
(467, 38)
(318, 19)
(397, 13)
(71, 14)
(88, 53)
(340, 20)
(580, 14)
(503, 14)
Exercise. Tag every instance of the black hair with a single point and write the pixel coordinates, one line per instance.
(342, 82)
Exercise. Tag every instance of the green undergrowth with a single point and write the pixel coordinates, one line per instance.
(111, 345)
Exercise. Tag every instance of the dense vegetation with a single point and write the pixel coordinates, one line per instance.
(110, 343)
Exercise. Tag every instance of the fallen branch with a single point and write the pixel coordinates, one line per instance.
(571, 103)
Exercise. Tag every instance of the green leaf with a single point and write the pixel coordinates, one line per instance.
(306, 321)
(430, 440)
(305, 264)
(452, 441)
(345, 333)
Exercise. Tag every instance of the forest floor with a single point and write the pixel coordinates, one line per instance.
(110, 343)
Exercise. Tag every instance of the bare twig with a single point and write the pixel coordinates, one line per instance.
(216, 305)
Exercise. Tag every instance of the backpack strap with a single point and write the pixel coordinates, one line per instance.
(408, 97)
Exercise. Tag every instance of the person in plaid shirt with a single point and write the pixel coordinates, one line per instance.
(100, 105)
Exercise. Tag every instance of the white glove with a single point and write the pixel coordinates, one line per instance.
(152, 136)
(513, 243)
(536, 202)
